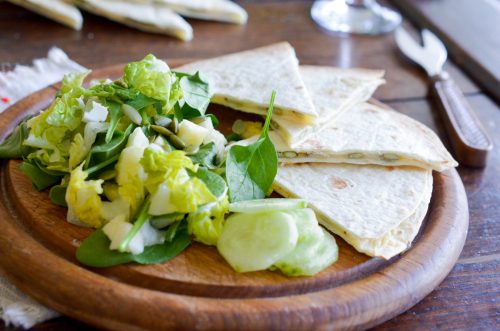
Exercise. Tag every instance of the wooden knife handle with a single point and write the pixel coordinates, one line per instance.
(469, 140)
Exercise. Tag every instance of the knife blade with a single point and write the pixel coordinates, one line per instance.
(469, 140)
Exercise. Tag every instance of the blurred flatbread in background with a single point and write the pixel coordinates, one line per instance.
(216, 10)
(56, 10)
(143, 16)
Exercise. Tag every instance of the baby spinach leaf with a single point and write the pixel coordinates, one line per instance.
(94, 251)
(97, 169)
(103, 152)
(58, 195)
(142, 217)
(12, 147)
(205, 156)
(115, 114)
(141, 101)
(214, 119)
(234, 137)
(250, 170)
(163, 221)
(172, 230)
(214, 182)
(196, 95)
(166, 251)
(40, 179)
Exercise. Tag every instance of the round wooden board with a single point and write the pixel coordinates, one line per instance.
(198, 290)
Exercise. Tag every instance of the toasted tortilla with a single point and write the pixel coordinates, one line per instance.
(245, 81)
(143, 16)
(398, 239)
(217, 10)
(378, 210)
(56, 10)
(370, 134)
(333, 91)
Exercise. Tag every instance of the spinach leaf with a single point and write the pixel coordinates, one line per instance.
(40, 179)
(12, 147)
(97, 169)
(115, 113)
(205, 156)
(94, 251)
(58, 195)
(43, 168)
(214, 119)
(103, 152)
(142, 217)
(141, 101)
(178, 112)
(234, 137)
(215, 183)
(196, 95)
(172, 230)
(250, 170)
(163, 221)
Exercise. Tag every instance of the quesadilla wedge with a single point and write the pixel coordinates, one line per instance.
(333, 91)
(378, 210)
(245, 80)
(146, 17)
(56, 10)
(371, 134)
(217, 10)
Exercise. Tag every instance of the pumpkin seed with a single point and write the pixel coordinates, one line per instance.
(162, 120)
(192, 150)
(239, 127)
(132, 114)
(289, 154)
(174, 126)
(389, 157)
(121, 82)
(355, 155)
(161, 130)
(177, 142)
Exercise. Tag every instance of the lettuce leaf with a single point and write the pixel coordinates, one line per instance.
(81, 145)
(53, 129)
(181, 192)
(153, 78)
(206, 224)
(83, 200)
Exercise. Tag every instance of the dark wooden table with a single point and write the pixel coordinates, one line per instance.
(469, 297)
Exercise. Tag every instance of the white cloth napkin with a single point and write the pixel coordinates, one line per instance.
(17, 308)
(24, 80)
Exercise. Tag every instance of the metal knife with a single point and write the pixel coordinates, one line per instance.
(469, 140)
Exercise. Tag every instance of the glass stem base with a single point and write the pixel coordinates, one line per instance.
(369, 18)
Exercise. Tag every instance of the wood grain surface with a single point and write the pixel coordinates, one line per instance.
(197, 289)
(470, 31)
(468, 298)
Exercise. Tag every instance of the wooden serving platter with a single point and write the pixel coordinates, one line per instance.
(198, 290)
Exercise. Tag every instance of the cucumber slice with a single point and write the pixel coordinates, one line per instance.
(264, 205)
(251, 242)
(326, 254)
(310, 238)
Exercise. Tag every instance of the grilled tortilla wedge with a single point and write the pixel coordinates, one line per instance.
(245, 81)
(333, 91)
(376, 209)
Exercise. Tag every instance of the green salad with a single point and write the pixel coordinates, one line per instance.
(139, 160)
